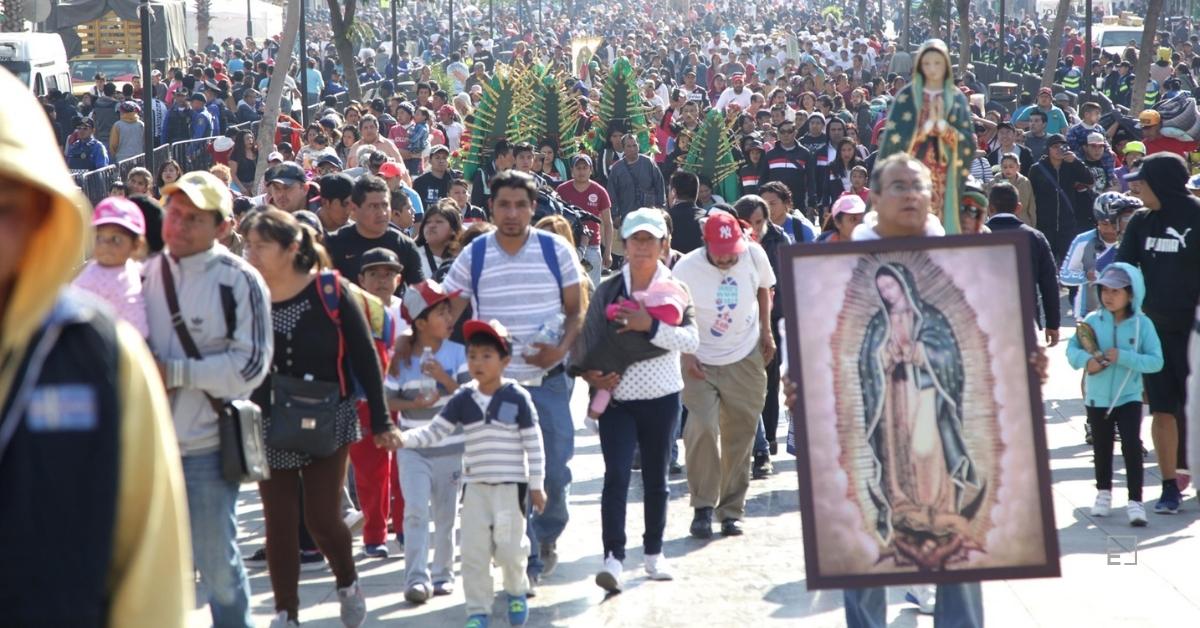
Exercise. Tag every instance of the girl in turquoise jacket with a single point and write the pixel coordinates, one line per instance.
(1116, 344)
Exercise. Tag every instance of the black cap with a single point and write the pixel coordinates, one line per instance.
(308, 218)
(330, 159)
(336, 186)
(286, 172)
(199, 97)
(1005, 125)
(1055, 138)
(379, 256)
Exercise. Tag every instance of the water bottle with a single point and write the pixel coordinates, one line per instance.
(429, 386)
(549, 333)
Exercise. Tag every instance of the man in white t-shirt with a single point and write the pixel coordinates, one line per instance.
(725, 381)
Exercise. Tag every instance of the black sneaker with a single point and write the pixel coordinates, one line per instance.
(762, 467)
(731, 527)
(1087, 430)
(312, 561)
(702, 523)
(257, 559)
(772, 447)
(675, 468)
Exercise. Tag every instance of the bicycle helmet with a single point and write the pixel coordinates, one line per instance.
(1110, 205)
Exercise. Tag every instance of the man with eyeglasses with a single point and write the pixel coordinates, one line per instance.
(223, 302)
(788, 163)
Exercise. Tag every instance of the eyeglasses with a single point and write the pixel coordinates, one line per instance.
(901, 188)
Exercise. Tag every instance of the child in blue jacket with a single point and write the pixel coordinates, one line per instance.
(1125, 347)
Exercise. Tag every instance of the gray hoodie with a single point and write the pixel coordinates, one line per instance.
(104, 114)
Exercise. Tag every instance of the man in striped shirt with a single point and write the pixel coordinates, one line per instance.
(502, 462)
(788, 163)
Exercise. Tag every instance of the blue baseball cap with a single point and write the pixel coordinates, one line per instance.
(648, 219)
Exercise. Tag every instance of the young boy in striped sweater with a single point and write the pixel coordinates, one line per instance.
(502, 462)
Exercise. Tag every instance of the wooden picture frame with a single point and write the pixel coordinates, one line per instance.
(919, 433)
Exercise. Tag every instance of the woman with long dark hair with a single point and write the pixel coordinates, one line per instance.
(437, 238)
(839, 171)
(168, 172)
(243, 160)
(323, 347)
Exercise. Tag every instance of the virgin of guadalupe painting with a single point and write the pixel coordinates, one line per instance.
(921, 453)
(924, 483)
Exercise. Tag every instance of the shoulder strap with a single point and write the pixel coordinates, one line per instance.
(181, 330)
(550, 254)
(1054, 181)
(329, 287)
(478, 253)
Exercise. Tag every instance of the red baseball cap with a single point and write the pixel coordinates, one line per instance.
(391, 170)
(723, 234)
(422, 296)
(492, 328)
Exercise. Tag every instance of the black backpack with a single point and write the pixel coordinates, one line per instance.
(178, 125)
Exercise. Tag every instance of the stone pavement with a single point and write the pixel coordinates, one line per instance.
(758, 579)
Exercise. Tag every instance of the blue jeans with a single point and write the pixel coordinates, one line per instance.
(760, 440)
(651, 424)
(553, 402)
(212, 504)
(958, 606)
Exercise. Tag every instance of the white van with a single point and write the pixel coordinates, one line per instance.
(1113, 39)
(38, 60)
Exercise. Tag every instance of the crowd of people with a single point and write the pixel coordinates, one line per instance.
(426, 330)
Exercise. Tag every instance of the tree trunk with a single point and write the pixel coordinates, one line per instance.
(1141, 74)
(203, 20)
(1060, 22)
(340, 24)
(283, 62)
(964, 35)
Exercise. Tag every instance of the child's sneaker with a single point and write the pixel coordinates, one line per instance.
(657, 568)
(518, 610)
(477, 621)
(376, 551)
(1103, 504)
(609, 578)
(1168, 504)
(1137, 514)
(924, 596)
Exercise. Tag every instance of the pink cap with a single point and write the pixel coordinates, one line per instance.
(848, 204)
(723, 234)
(116, 210)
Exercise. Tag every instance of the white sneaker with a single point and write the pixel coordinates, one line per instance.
(281, 621)
(924, 596)
(609, 578)
(353, 519)
(1137, 514)
(1103, 504)
(657, 567)
(354, 605)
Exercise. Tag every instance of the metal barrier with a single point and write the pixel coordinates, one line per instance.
(193, 154)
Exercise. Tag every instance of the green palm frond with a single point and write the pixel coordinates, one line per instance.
(711, 155)
(546, 112)
(494, 120)
(621, 106)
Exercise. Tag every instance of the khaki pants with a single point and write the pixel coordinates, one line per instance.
(493, 527)
(723, 411)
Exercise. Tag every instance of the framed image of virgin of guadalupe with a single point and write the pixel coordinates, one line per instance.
(919, 422)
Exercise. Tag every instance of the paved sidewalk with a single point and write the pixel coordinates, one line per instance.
(758, 579)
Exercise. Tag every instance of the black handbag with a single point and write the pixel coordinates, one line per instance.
(303, 415)
(239, 422)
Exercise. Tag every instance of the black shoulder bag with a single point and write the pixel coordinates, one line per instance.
(239, 422)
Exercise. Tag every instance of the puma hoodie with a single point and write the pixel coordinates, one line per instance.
(1165, 245)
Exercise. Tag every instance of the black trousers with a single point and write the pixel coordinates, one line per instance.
(1127, 418)
(770, 411)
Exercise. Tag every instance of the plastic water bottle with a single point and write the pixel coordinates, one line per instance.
(429, 386)
(549, 333)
